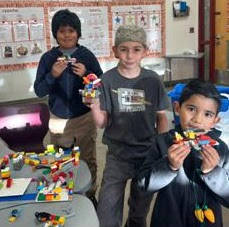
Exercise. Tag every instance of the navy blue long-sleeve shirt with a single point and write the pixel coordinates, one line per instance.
(65, 100)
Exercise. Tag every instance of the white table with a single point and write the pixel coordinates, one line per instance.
(85, 214)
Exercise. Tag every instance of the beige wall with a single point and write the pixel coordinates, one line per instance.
(178, 38)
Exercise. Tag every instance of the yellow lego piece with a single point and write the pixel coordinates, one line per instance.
(178, 136)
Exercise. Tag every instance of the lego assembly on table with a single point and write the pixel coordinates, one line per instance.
(56, 166)
(50, 219)
(56, 182)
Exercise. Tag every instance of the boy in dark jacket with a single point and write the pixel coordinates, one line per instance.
(59, 76)
(191, 178)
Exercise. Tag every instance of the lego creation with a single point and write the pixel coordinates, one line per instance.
(14, 214)
(50, 219)
(90, 91)
(60, 189)
(195, 138)
(67, 58)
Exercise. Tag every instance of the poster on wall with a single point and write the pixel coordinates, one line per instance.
(6, 32)
(22, 37)
(94, 26)
(147, 16)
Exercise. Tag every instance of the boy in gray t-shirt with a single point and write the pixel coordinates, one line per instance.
(131, 108)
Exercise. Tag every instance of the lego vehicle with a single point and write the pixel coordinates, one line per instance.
(50, 219)
(14, 214)
(67, 59)
(194, 139)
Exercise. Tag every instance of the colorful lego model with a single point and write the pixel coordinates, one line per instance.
(178, 138)
(195, 138)
(50, 219)
(41, 185)
(32, 159)
(190, 134)
(67, 58)
(61, 189)
(4, 167)
(61, 151)
(5, 173)
(18, 160)
(61, 166)
(50, 150)
(66, 163)
(14, 214)
(52, 194)
(70, 185)
(90, 91)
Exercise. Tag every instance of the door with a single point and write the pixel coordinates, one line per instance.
(222, 41)
(207, 39)
(214, 40)
(221, 34)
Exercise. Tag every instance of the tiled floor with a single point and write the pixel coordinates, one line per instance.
(101, 153)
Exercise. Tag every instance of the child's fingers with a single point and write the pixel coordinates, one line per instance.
(178, 148)
(177, 153)
(210, 154)
(79, 69)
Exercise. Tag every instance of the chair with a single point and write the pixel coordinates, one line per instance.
(24, 126)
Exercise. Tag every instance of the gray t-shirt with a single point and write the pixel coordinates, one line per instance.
(131, 105)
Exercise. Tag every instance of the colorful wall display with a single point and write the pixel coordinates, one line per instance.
(22, 36)
(95, 33)
(25, 28)
(147, 16)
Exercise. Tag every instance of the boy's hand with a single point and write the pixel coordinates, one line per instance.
(79, 69)
(210, 158)
(177, 154)
(94, 104)
(58, 67)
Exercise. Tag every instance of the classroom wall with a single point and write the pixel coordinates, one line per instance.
(18, 85)
(178, 36)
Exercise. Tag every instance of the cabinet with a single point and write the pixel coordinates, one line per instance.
(190, 57)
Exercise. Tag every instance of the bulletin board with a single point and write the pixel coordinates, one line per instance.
(22, 36)
(94, 26)
(25, 32)
(147, 16)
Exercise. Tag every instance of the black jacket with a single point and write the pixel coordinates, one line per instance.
(64, 98)
(179, 191)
